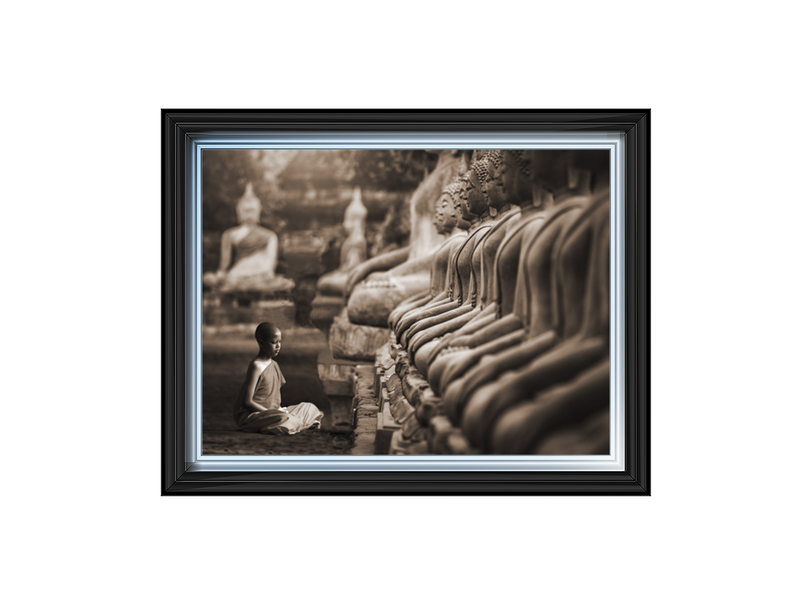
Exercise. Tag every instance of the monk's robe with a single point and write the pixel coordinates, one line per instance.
(277, 420)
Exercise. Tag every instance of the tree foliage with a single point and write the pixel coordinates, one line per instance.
(225, 174)
(391, 169)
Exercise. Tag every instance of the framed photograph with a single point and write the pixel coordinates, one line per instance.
(405, 302)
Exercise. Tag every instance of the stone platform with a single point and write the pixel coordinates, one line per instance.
(325, 309)
(339, 380)
(355, 342)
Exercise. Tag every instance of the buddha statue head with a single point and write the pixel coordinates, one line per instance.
(449, 208)
(248, 207)
(590, 167)
(474, 204)
(354, 218)
(518, 177)
(548, 170)
(491, 172)
(438, 213)
(506, 179)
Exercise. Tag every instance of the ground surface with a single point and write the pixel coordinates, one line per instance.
(225, 358)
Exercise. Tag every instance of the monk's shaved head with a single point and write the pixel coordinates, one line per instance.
(265, 331)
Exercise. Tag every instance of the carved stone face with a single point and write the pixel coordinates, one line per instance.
(438, 214)
(462, 222)
(449, 213)
(473, 201)
(248, 212)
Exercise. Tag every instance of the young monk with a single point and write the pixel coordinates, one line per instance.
(258, 405)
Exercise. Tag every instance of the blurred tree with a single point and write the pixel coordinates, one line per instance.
(391, 169)
(226, 172)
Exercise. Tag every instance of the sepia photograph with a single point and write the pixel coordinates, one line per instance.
(405, 302)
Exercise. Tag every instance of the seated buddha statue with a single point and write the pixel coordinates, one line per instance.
(579, 338)
(457, 299)
(524, 299)
(249, 252)
(497, 300)
(405, 272)
(448, 222)
(561, 413)
(353, 250)
(506, 185)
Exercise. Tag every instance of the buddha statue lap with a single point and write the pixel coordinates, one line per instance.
(522, 429)
(561, 410)
(448, 222)
(506, 186)
(406, 273)
(523, 300)
(530, 329)
(453, 354)
(583, 335)
(353, 250)
(505, 265)
(458, 298)
(249, 253)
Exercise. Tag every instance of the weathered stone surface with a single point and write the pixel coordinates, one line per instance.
(386, 426)
(372, 302)
(392, 385)
(325, 308)
(355, 342)
(383, 358)
(413, 430)
(400, 409)
(338, 379)
(414, 387)
(365, 410)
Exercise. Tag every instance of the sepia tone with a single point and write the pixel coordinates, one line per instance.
(429, 302)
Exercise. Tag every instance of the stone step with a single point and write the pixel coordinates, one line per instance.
(355, 342)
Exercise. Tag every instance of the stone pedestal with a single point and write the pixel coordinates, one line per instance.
(339, 381)
(325, 309)
(355, 342)
(386, 425)
(366, 410)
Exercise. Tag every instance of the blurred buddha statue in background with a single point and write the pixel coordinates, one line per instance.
(249, 252)
(353, 250)
(377, 286)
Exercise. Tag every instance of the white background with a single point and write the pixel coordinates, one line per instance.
(82, 87)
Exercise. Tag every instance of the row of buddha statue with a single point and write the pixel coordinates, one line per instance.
(501, 324)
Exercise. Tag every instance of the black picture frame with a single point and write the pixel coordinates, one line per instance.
(178, 130)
